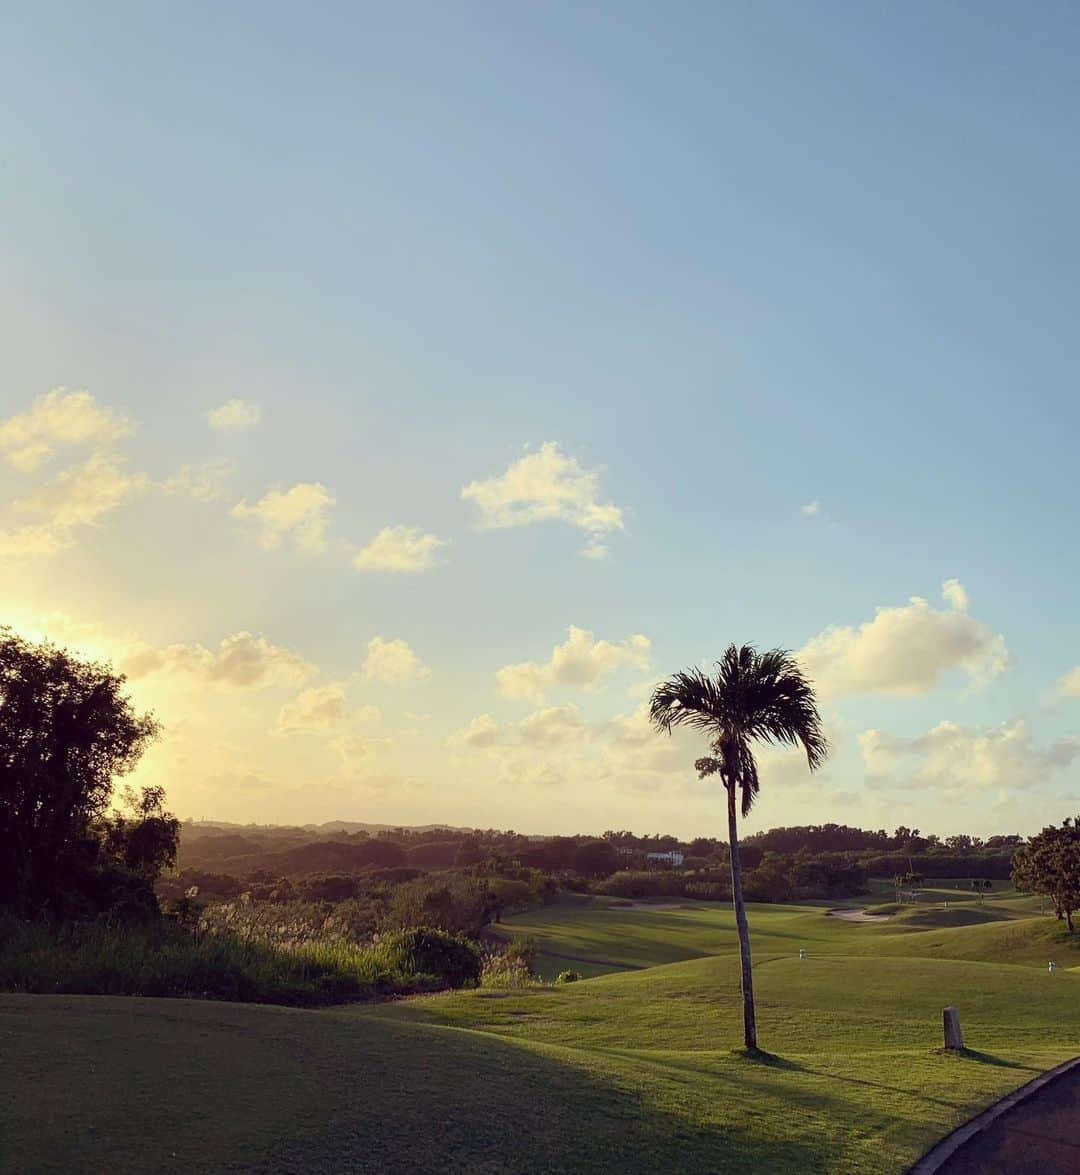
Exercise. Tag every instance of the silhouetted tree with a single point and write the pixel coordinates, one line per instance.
(751, 697)
(67, 732)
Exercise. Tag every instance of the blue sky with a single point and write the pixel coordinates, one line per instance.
(731, 259)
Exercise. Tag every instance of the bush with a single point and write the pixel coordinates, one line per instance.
(645, 884)
(244, 962)
(510, 965)
(165, 959)
(567, 977)
(450, 959)
(449, 902)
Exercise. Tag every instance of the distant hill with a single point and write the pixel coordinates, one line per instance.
(193, 828)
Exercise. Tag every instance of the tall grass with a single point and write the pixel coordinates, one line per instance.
(165, 959)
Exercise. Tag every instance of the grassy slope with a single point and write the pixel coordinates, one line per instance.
(858, 1085)
(128, 1085)
(631, 1071)
(611, 938)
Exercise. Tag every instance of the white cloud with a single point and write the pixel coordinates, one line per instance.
(352, 747)
(299, 512)
(625, 754)
(392, 662)
(204, 483)
(950, 757)
(321, 708)
(59, 419)
(62, 629)
(811, 509)
(546, 485)
(481, 732)
(556, 724)
(400, 548)
(580, 661)
(30, 542)
(234, 415)
(1069, 685)
(81, 495)
(595, 549)
(636, 757)
(955, 594)
(633, 749)
(241, 660)
(906, 649)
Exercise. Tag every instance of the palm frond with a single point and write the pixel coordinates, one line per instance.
(750, 697)
(689, 698)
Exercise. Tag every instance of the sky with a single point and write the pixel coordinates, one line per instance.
(395, 393)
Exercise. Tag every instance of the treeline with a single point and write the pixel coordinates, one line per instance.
(826, 838)
(805, 852)
(464, 879)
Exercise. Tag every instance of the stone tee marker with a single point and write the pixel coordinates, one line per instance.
(954, 1038)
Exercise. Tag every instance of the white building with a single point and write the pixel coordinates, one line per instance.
(673, 858)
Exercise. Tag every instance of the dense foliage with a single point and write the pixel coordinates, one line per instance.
(448, 960)
(67, 732)
(1050, 864)
(496, 873)
(229, 962)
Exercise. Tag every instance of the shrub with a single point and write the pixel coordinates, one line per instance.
(238, 962)
(567, 977)
(646, 884)
(450, 959)
(510, 965)
(450, 902)
(165, 959)
(186, 909)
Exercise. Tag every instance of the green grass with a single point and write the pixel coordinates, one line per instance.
(608, 939)
(636, 1070)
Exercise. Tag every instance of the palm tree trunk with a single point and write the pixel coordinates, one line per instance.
(749, 1018)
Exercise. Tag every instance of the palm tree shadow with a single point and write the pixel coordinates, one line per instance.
(769, 1060)
(990, 1059)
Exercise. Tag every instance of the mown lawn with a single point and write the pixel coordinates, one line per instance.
(611, 938)
(857, 1082)
(633, 1071)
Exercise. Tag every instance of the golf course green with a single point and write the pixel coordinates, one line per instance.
(636, 1069)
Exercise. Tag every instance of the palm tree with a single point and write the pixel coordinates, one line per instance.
(751, 697)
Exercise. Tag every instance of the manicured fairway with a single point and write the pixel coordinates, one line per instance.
(633, 1071)
(609, 938)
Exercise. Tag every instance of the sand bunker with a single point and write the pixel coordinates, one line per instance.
(858, 916)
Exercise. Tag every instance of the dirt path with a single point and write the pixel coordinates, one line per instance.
(1041, 1135)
